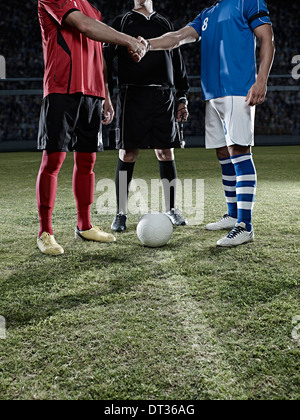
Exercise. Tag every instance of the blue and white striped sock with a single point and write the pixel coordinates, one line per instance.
(245, 187)
(229, 184)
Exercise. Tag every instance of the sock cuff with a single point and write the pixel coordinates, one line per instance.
(166, 162)
(241, 158)
(167, 169)
(225, 161)
(125, 165)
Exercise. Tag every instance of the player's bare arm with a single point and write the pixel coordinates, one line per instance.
(108, 109)
(174, 39)
(258, 91)
(99, 31)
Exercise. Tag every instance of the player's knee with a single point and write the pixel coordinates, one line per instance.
(85, 162)
(165, 154)
(222, 153)
(51, 162)
(239, 150)
(129, 156)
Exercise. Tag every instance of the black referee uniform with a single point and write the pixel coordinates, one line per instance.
(145, 112)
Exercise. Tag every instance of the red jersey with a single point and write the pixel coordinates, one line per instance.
(73, 62)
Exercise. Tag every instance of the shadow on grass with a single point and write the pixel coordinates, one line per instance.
(43, 286)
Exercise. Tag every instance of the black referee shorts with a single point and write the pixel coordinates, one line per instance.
(70, 122)
(146, 118)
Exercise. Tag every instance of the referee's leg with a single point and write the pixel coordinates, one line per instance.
(123, 177)
(168, 172)
(168, 175)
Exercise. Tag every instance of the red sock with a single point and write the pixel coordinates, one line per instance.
(83, 187)
(46, 188)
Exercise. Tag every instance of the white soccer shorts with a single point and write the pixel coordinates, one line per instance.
(229, 121)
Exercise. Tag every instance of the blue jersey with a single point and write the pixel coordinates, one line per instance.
(228, 63)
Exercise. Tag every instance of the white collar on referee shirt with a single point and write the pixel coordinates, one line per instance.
(148, 18)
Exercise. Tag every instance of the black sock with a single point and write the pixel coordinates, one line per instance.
(122, 183)
(167, 170)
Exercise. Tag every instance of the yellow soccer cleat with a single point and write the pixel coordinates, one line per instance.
(94, 234)
(48, 245)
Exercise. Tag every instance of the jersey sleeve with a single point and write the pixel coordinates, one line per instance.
(180, 74)
(256, 13)
(59, 9)
(197, 24)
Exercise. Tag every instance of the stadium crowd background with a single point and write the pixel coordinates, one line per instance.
(20, 44)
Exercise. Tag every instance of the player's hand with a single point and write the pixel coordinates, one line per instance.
(182, 113)
(108, 112)
(257, 94)
(138, 49)
(143, 41)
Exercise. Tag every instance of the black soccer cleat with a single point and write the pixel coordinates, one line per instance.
(176, 217)
(119, 223)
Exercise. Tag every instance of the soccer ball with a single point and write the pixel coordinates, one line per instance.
(154, 230)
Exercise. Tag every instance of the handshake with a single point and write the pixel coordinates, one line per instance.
(138, 48)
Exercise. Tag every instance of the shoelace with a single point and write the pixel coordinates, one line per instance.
(99, 229)
(235, 232)
(120, 215)
(177, 215)
(176, 212)
(226, 216)
(49, 240)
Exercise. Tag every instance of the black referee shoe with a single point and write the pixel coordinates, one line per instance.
(119, 223)
(176, 217)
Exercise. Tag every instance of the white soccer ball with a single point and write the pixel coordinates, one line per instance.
(154, 230)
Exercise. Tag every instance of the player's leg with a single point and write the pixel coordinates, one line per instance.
(86, 142)
(215, 139)
(57, 121)
(83, 187)
(242, 159)
(123, 177)
(240, 139)
(168, 175)
(46, 187)
(229, 186)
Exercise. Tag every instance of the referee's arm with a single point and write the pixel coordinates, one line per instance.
(180, 74)
(181, 85)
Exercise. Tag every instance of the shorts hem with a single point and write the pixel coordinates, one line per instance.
(55, 150)
(210, 147)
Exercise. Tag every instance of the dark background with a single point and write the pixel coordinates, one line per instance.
(277, 120)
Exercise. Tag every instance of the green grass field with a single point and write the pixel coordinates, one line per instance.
(188, 321)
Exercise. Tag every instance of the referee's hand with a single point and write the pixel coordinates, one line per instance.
(182, 113)
(138, 49)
